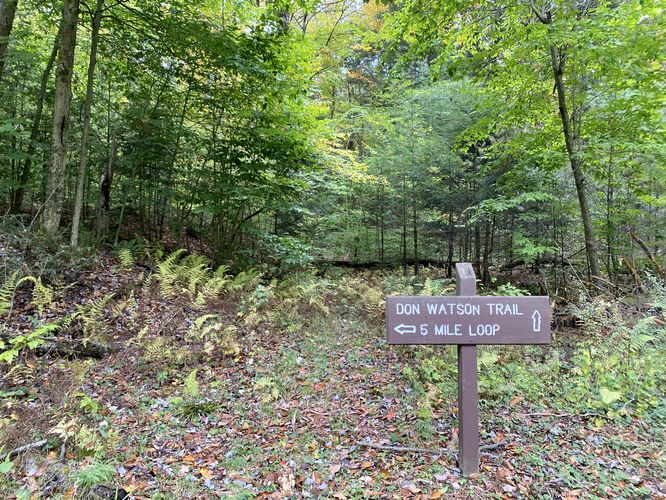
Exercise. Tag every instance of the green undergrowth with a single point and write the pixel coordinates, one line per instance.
(242, 384)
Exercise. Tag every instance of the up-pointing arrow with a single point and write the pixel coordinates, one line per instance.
(536, 321)
(402, 329)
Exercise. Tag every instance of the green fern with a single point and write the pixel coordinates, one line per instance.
(194, 270)
(211, 288)
(68, 320)
(7, 293)
(203, 326)
(92, 316)
(42, 295)
(191, 409)
(168, 274)
(125, 257)
(191, 277)
(96, 473)
(215, 335)
(95, 310)
(29, 341)
(642, 334)
(245, 280)
(191, 386)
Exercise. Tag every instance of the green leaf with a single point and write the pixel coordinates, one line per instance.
(6, 466)
(608, 397)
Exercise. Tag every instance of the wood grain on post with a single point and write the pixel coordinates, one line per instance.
(468, 410)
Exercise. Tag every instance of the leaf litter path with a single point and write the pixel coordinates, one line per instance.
(292, 412)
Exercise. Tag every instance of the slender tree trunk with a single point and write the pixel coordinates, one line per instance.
(167, 188)
(557, 57)
(122, 213)
(416, 231)
(17, 200)
(487, 248)
(381, 217)
(449, 256)
(7, 12)
(404, 225)
(104, 199)
(477, 249)
(85, 133)
(59, 137)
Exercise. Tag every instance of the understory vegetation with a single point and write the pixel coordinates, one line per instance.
(191, 381)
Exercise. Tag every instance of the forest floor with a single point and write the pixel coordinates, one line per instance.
(307, 400)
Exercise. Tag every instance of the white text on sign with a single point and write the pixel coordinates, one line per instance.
(458, 309)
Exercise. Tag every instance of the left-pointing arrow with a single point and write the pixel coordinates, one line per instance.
(402, 329)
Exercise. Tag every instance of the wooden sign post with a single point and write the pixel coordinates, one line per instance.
(466, 321)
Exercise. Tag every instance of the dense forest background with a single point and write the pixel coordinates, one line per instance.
(377, 134)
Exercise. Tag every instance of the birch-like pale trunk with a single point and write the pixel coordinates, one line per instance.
(52, 209)
(85, 133)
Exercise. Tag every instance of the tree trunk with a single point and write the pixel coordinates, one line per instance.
(416, 230)
(557, 60)
(449, 256)
(104, 199)
(7, 12)
(487, 249)
(122, 213)
(85, 133)
(381, 216)
(167, 187)
(404, 225)
(477, 249)
(63, 96)
(19, 194)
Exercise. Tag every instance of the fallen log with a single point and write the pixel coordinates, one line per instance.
(21, 449)
(539, 262)
(70, 348)
(375, 264)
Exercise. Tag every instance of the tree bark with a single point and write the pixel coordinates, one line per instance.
(557, 60)
(7, 13)
(661, 271)
(415, 222)
(19, 194)
(85, 133)
(60, 133)
(104, 200)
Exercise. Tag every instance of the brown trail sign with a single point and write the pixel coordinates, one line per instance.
(468, 320)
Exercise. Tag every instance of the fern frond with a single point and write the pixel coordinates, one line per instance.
(94, 474)
(196, 276)
(31, 340)
(42, 295)
(167, 273)
(245, 279)
(222, 271)
(92, 315)
(7, 293)
(125, 257)
(96, 309)
(68, 320)
(203, 326)
(210, 289)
